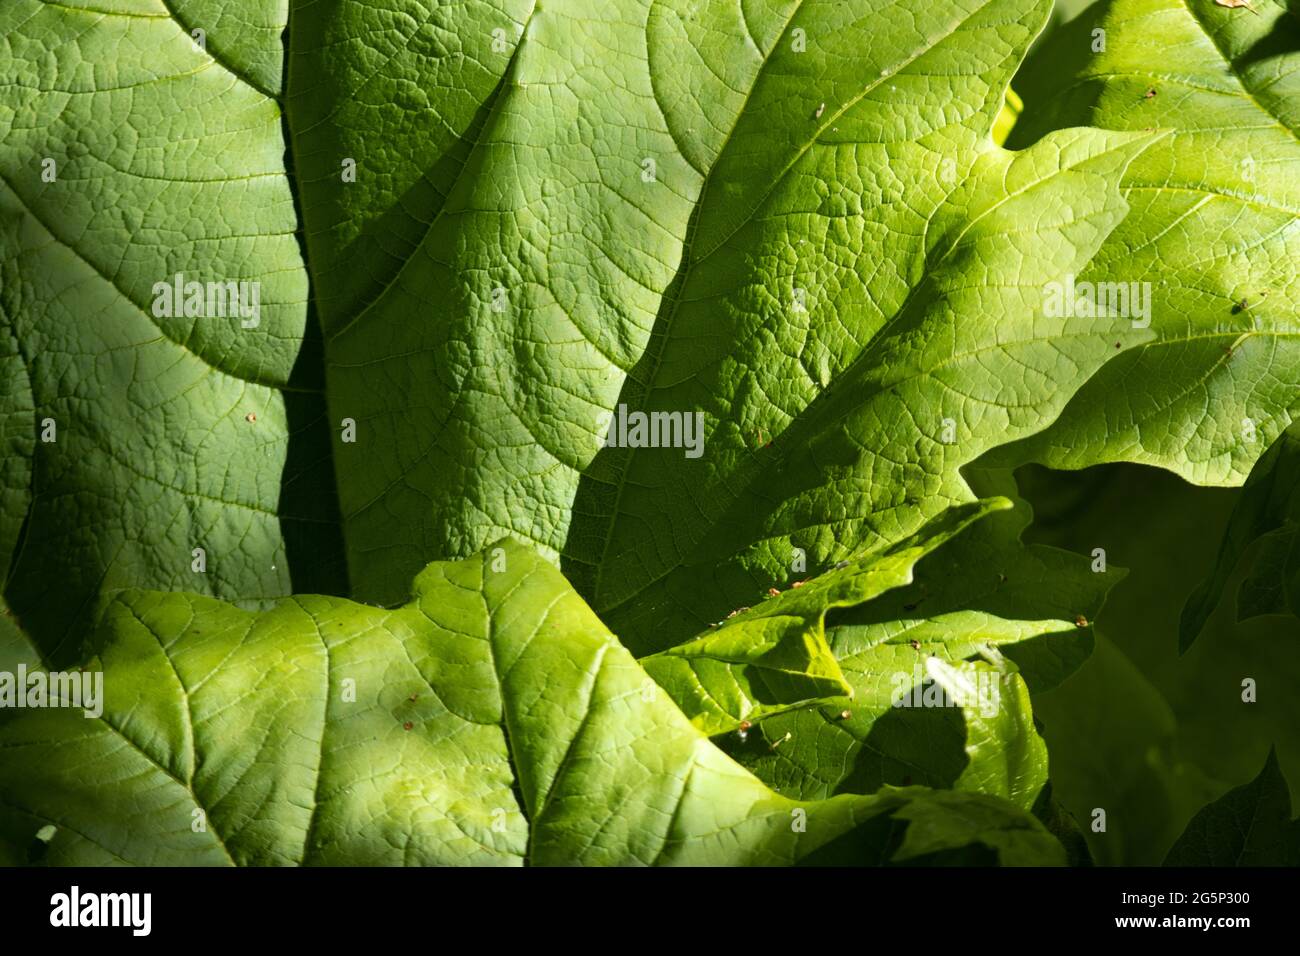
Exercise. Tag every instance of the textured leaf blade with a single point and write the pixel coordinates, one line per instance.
(362, 721)
(953, 819)
(1213, 229)
(1005, 756)
(598, 281)
(775, 657)
(159, 433)
(982, 590)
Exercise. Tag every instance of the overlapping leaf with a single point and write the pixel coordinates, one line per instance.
(774, 657)
(492, 281)
(984, 590)
(788, 217)
(1214, 228)
(1005, 755)
(491, 720)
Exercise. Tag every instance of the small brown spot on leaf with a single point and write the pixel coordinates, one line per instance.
(250, 417)
(408, 725)
(1080, 621)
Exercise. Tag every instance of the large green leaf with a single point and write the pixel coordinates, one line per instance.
(493, 719)
(788, 218)
(131, 155)
(792, 220)
(1214, 228)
